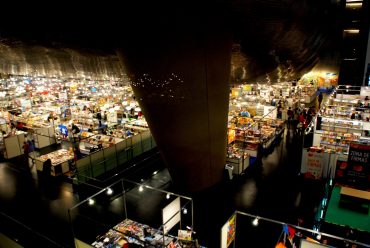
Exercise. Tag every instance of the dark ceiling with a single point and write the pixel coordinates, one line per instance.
(277, 38)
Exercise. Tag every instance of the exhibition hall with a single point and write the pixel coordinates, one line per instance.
(185, 124)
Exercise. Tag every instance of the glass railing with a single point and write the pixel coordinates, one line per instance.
(114, 157)
(246, 230)
(17, 234)
(134, 213)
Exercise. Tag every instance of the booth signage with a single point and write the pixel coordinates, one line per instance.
(228, 232)
(357, 173)
(314, 165)
(171, 215)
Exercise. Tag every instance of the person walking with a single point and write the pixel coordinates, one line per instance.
(290, 114)
(26, 151)
(320, 97)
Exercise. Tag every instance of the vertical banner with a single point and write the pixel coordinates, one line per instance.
(228, 232)
(358, 171)
(314, 165)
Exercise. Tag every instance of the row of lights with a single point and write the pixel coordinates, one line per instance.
(91, 201)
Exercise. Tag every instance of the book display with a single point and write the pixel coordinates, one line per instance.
(96, 142)
(59, 161)
(339, 124)
(341, 121)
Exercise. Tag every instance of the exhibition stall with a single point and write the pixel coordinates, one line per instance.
(248, 230)
(167, 224)
(113, 154)
(61, 161)
(253, 125)
(343, 120)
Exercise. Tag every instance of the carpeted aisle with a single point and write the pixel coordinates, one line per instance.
(341, 216)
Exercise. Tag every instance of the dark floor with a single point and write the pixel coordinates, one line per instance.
(36, 215)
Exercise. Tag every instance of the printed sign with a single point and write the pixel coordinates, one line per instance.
(357, 173)
(228, 232)
(314, 165)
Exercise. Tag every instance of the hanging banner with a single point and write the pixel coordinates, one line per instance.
(358, 169)
(228, 232)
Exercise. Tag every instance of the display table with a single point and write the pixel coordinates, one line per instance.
(59, 161)
(129, 231)
(357, 200)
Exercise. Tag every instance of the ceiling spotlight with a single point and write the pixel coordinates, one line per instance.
(109, 191)
(91, 202)
(184, 211)
(155, 172)
(141, 188)
(255, 221)
(168, 196)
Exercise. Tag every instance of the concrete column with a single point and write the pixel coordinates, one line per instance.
(180, 70)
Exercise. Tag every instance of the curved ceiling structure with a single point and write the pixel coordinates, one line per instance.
(178, 56)
(279, 39)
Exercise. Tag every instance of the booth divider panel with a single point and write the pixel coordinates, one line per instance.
(13, 147)
(110, 158)
(83, 167)
(121, 152)
(146, 141)
(153, 141)
(136, 143)
(129, 141)
(97, 163)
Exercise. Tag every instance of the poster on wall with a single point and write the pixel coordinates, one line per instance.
(228, 232)
(358, 169)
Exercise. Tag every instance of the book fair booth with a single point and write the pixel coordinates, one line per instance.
(109, 218)
(247, 230)
(340, 156)
(256, 120)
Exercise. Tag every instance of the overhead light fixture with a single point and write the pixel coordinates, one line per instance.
(155, 172)
(141, 188)
(109, 191)
(318, 236)
(255, 221)
(168, 196)
(91, 202)
(354, 5)
(184, 211)
(351, 31)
